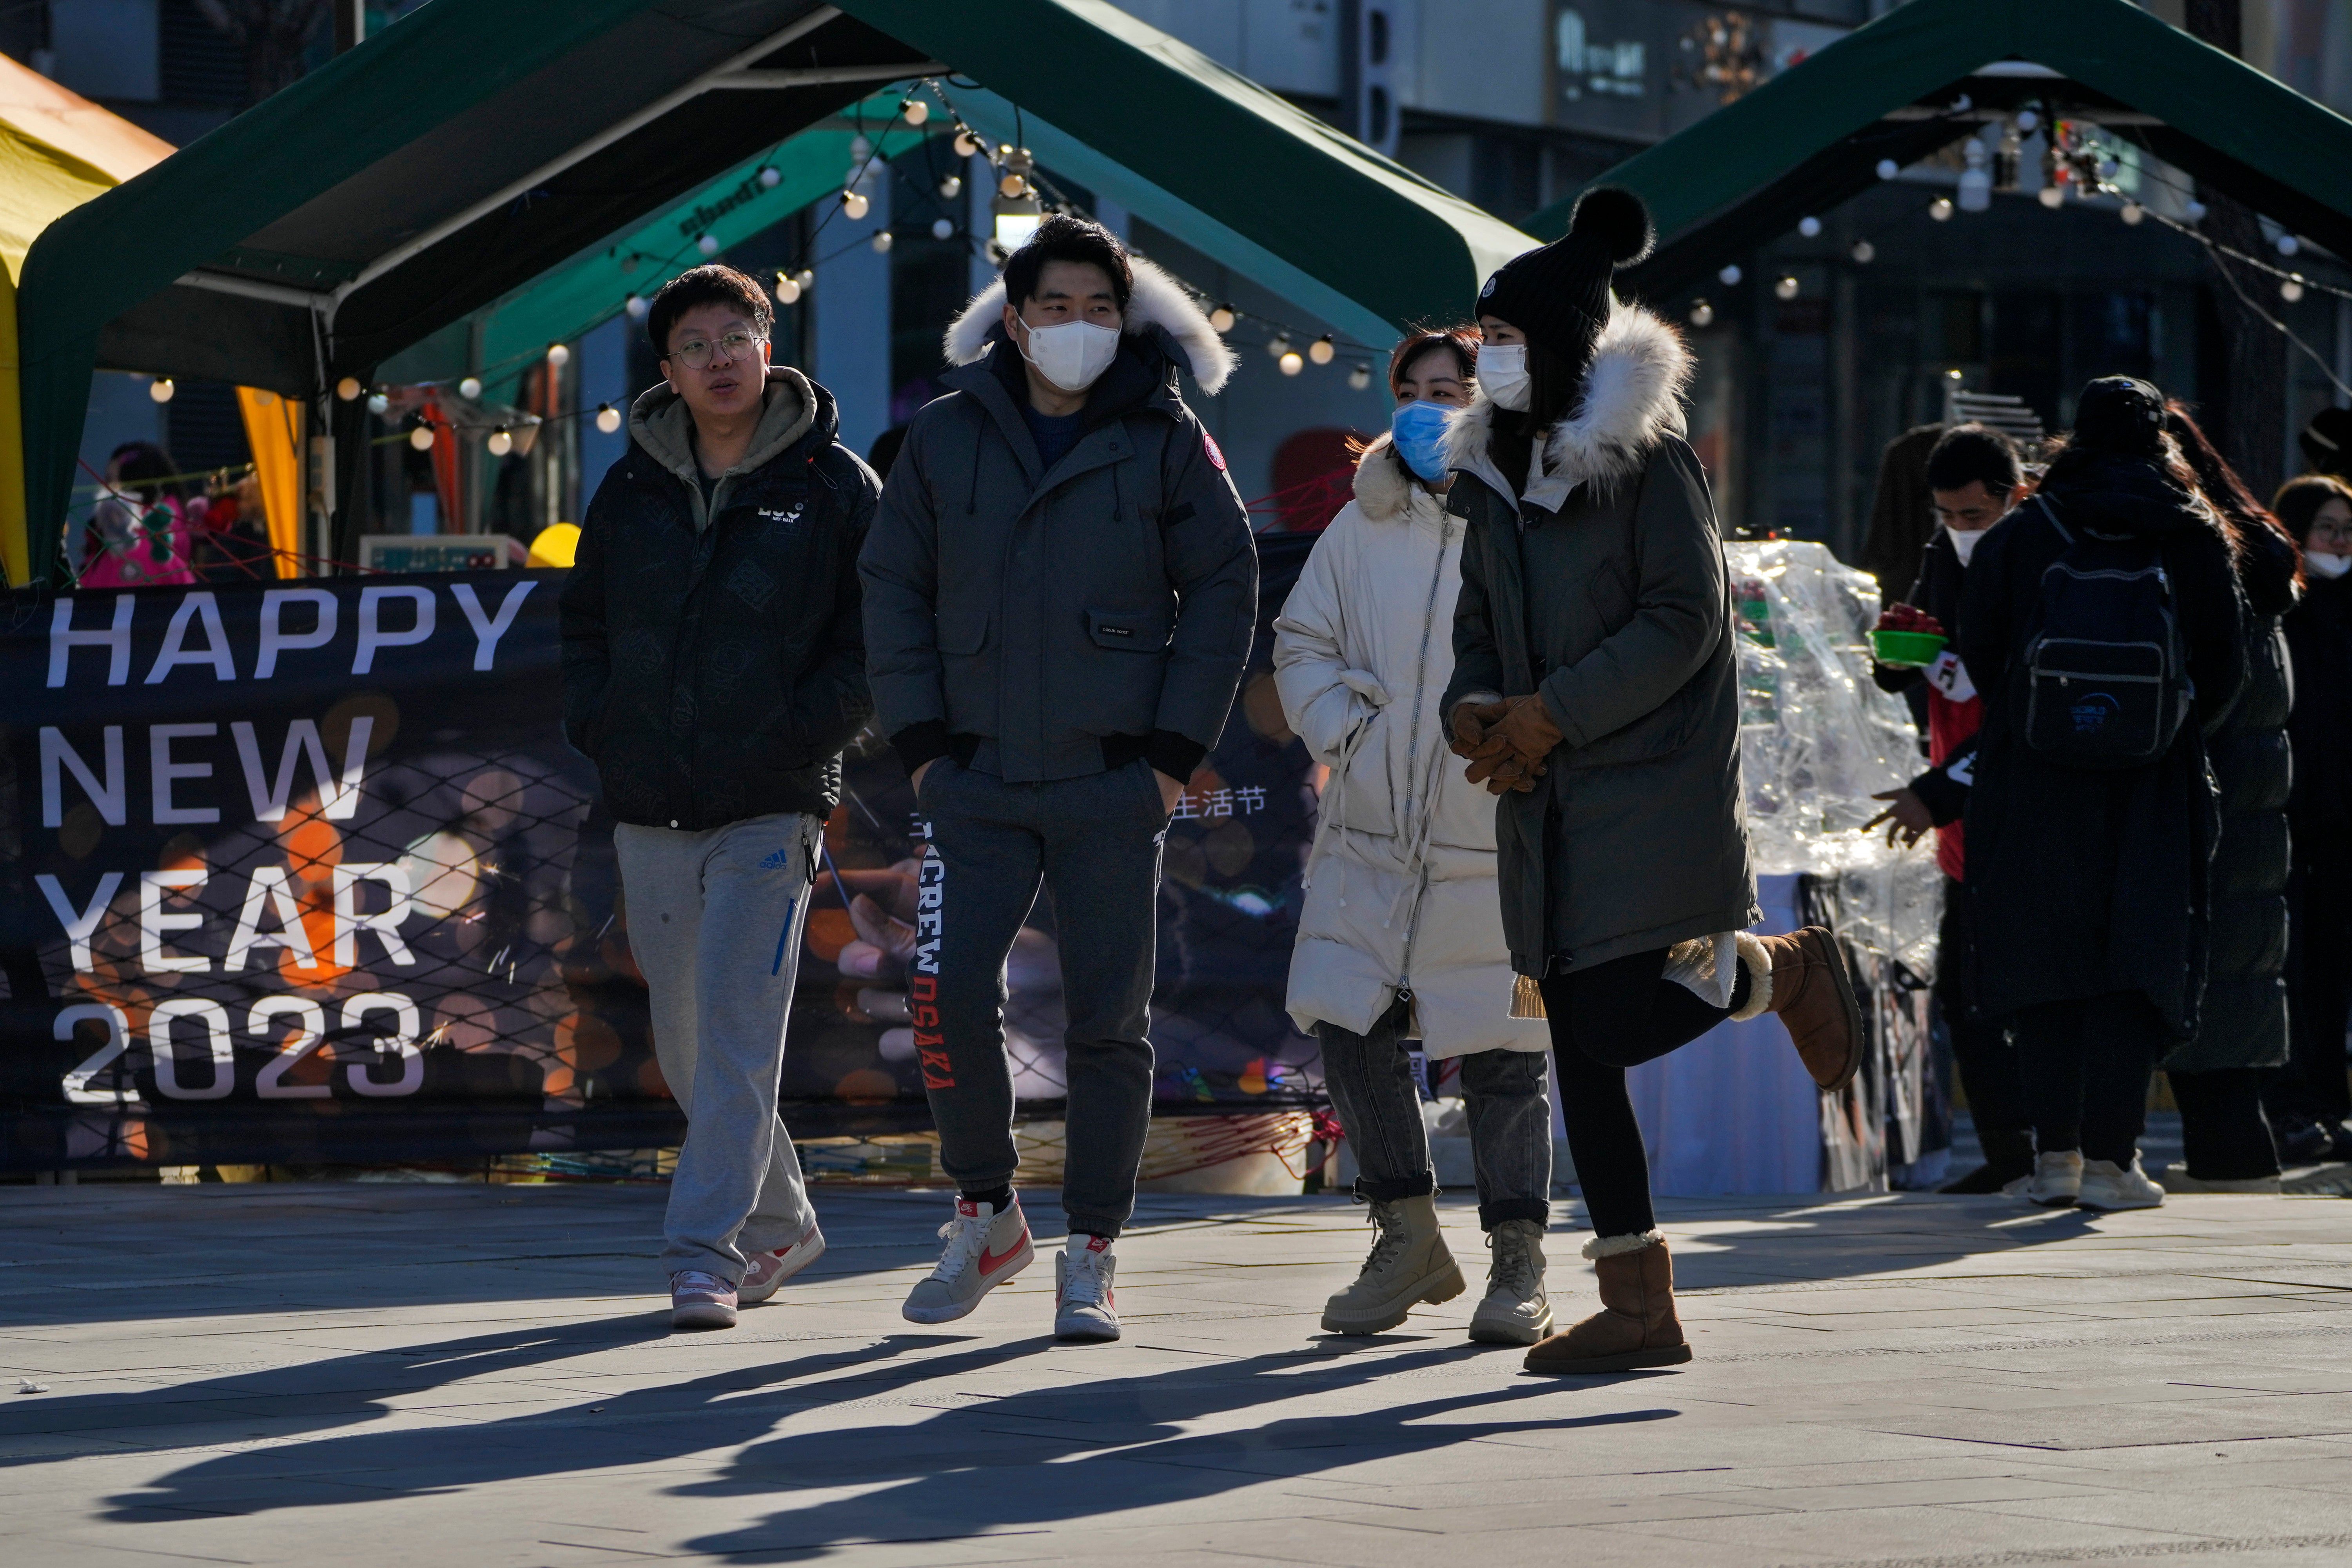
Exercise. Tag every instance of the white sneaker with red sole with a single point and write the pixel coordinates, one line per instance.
(984, 1249)
(768, 1269)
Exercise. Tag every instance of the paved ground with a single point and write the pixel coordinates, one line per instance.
(466, 1375)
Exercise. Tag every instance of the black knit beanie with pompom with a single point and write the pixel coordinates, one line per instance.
(1558, 296)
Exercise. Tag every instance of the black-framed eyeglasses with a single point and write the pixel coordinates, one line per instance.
(696, 353)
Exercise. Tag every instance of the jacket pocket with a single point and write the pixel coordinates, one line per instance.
(962, 633)
(1660, 733)
(1131, 631)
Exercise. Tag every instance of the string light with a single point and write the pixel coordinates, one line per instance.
(2291, 289)
(1322, 350)
(160, 389)
(1359, 375)
(942, 229)
(1011, 186)
(637, 306)
(349, 388)
(2053, 197)
(882, 241)
(1730, 275)
(1863, 252)
(470, 388)
(1222, 318)
(966, 143)
(421, 439)
(1290, 363)
(805, 277)
(2193, 210)
(2132, 215)
(2288, 244)
(708, 243)
(771, 177)
(1811, 227)
(379, 404)
(952, 187)
(853, 205)
(1940, 209)
(1888, 168)
(499, 443)
(1278, 344)
(559, 355)
(914, 110)
(1786, 288)
(1702, 314)
(608, 418)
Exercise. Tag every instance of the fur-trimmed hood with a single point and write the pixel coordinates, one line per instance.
(1159, 308)
(1385, 490)
(1633, 399)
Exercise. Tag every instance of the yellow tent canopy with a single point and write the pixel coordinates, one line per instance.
(58, 150)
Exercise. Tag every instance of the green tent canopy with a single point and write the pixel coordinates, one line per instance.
(1932, 72)
(477, 144)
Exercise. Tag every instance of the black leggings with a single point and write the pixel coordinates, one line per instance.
(2085, 1065)
(2224, 1137)
(1603, 1020)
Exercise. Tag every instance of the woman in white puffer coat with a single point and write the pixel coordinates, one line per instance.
(1403, 933)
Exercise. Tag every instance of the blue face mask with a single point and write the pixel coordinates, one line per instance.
(1419, 431)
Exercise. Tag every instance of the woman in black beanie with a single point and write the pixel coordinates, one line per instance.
(1595, 690)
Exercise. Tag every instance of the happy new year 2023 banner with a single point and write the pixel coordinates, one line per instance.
(305, 873)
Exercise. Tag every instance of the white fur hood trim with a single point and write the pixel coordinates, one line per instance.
(1383, 491)
(1159, 300)
(1633, 399)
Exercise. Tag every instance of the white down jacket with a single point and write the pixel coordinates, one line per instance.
(1400, 893)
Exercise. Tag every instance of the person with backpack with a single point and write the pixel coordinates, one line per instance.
(2102, 621)
(1974, 479)
(1596, 690)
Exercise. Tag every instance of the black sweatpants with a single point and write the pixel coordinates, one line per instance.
(1981, 1048)
(1605, 1019)
(2224, 1137)
(2319, 996)
(2085, 1065)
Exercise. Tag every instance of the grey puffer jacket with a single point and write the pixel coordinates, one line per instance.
(1603, 588)
(1046, 625)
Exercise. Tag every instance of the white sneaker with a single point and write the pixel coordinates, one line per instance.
(700, 1301)
(984, 1249)
(1516, 1310)
(2107, 1185)
(2057, 1178)
(768, 1269)
(1085, 1306)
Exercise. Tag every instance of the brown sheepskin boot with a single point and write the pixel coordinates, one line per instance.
(1801, 976)
(1636, 1326)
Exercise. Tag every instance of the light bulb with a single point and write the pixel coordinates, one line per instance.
(1888, 168)
(2027, 120)
(1322, 350)
(1011, 186)
(378, 403)
(805, 277)
(421, 437)
(2132, 214)
(942, 229)
(788, 288)
(608, 418)
(499, 443)
(636, 306)
(1811, 227)
(349, 388)
(2291, 289)
(1359, 375)
(915, 111)
(1730, 274)
(1222, 318)
(2288, 244)
(1952, 375)
(770, 178)
(882, 241)
(1291, 364)
(470, 388)
(966, 143)
(160, 389)
(558, 354)
(1940, 209)
(1702, 314)
(1786, 288)
(853, 205)
(2194, 211)
(1278, 344)
(952, 187)
(1863, 252)
(2052, 197)
(708, 243)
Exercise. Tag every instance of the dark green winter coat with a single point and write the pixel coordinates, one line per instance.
(1612, 601)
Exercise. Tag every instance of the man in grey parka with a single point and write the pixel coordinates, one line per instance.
(1060, 592)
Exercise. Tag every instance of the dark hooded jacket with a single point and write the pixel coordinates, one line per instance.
(1040, 623)
(2243, 1023)
(1604, 590)
(713, 660)
(2088, 882)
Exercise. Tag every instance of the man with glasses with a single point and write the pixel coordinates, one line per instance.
(713, 668)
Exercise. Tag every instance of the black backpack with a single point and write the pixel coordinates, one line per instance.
(2106, 679)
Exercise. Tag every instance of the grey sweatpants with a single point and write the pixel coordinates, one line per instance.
(715, 924)
(1094, 843)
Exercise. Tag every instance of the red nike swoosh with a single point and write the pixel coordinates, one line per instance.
(992, 1261)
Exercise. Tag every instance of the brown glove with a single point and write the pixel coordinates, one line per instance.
(1468, 723)
(1527, 729)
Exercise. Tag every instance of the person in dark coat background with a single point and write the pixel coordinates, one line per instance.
(2217, 1077)
(2091, 885)
(2310, 1100)
(1595, 687)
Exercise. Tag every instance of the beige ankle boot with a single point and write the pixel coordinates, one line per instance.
(1409, 1264)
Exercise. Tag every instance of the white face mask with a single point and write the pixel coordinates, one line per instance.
(1072, 354)
(2325, 565)
(1503, 371)
(1964, 541)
